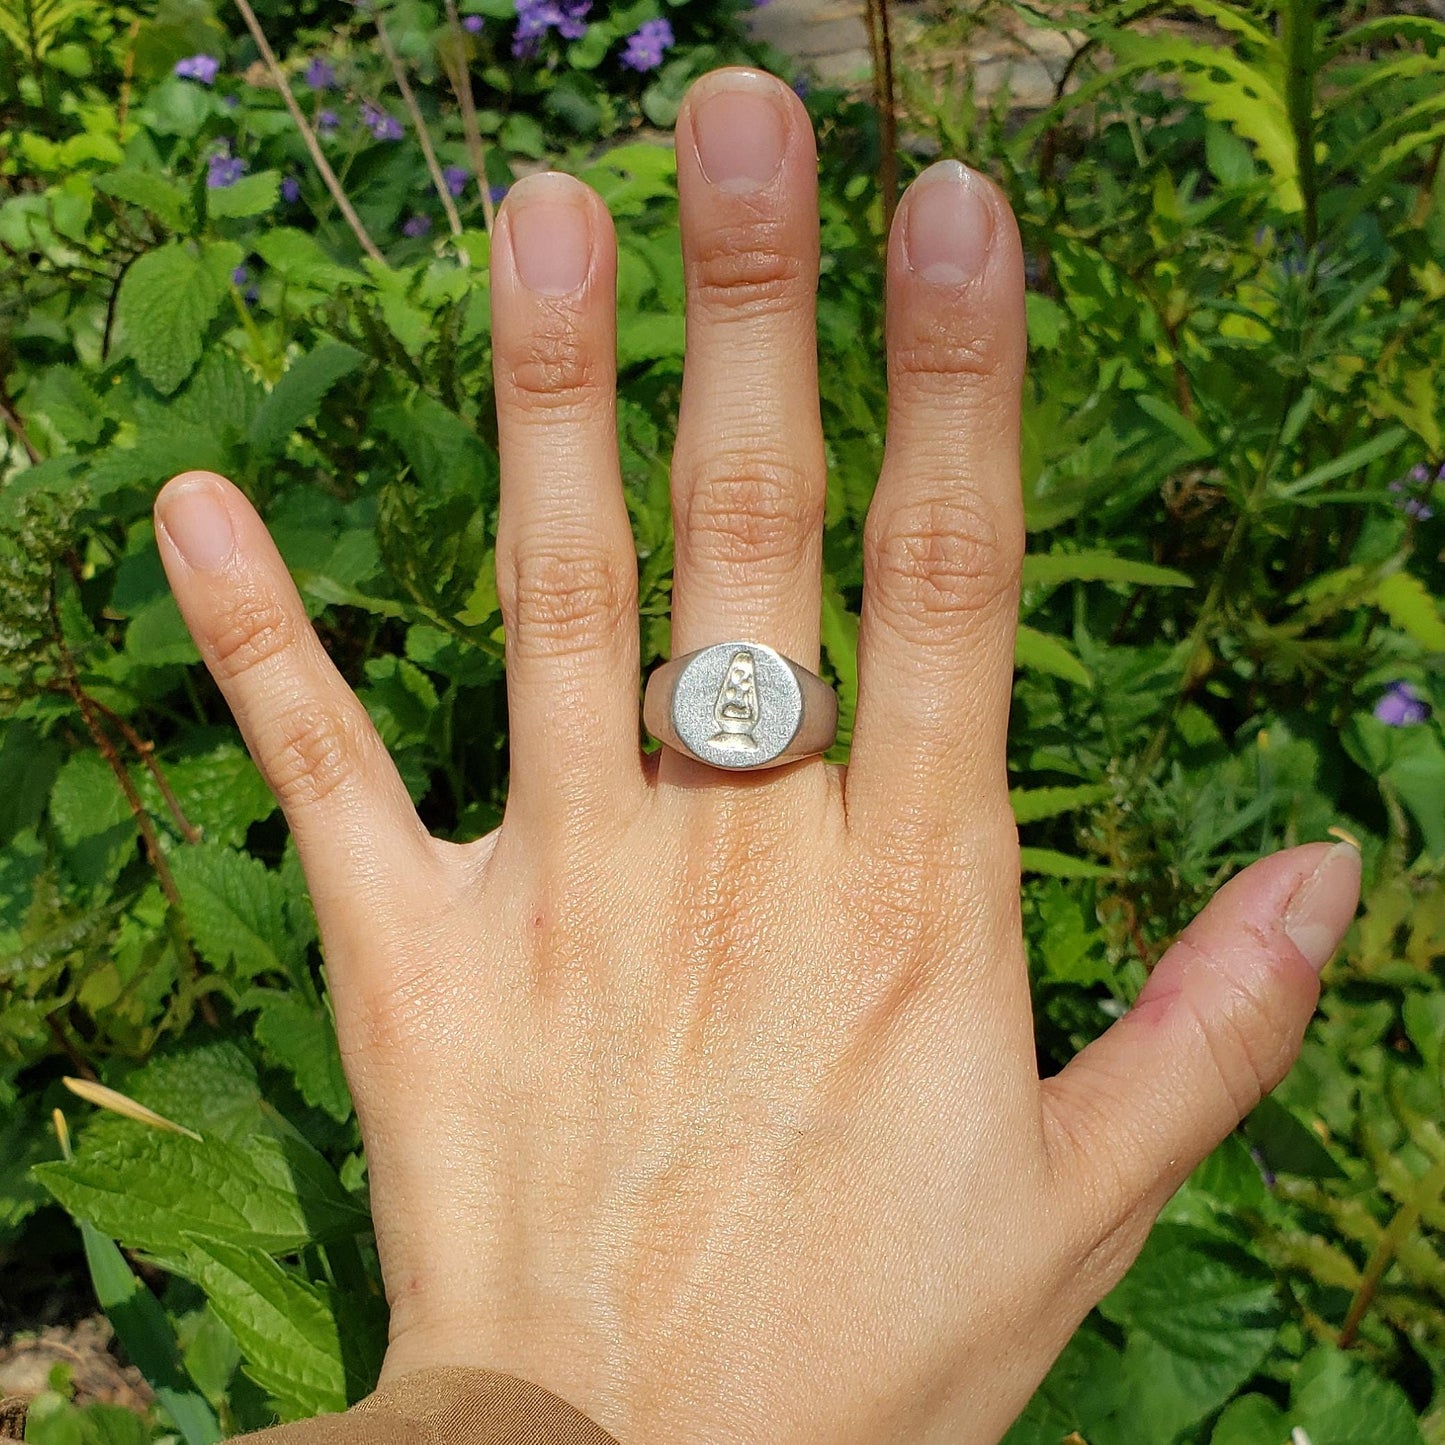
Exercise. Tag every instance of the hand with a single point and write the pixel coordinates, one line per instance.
(710, 1101)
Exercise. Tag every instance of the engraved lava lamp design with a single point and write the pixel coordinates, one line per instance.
(736, 710)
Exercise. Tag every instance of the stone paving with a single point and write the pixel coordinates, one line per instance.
(829, 38)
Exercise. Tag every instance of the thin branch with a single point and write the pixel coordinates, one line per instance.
(418, 120)
(12, 419)
(146, 750)
(106, 748)
(308, 135)
(453, 60)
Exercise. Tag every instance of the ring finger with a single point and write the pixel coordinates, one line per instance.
(748, 468)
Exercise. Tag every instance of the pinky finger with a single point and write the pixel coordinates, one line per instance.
(1216, 1027)
(308, 732)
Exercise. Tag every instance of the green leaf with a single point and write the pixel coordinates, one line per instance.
(165, 200)
(1049, 569)
(649, 336)
(1409, 605)
(301, 1038)
(29, 764)
(1030, 805)
(145, 1333)
(1339, 1400)
(1250, 1420)
(250, 196)
(300, 260)
(166, 305)
(1052, 864)
(840, 646)
(241, 914)
(295, 398)
(1382, 444)
(1037, 651)
(1199, 1316)
(287, 1328)
(148, 1189)
(221, 792)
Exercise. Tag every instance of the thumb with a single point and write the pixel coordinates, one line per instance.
(1216, 1027)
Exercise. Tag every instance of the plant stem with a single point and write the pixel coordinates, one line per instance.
(1401, 1227)
(313, 146)
(453, 63)
(86, 707)
(1297, 38)
(880, 42)
(146, 752)
(408, 99)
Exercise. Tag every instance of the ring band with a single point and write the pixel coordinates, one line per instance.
(739, 705)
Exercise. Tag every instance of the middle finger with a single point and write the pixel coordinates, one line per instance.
(748, 468)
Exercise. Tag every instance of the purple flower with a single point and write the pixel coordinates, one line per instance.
(381, 125)
(200, 68)
(472, 24)
(240, 276)
(290, 190)
(241, 280)
(416, 226)
(497, 194)
(1419, 473)
(326, 122)
(224, 170)
(320, 74)
(1401, 705)
(1418, 510)
(536, 17)
(645, 46)
(456, 178)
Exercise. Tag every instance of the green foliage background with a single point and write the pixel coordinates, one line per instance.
(1233, 429)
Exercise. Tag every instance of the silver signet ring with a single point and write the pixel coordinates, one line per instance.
(740, 705)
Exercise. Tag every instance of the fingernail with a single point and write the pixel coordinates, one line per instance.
(198, 523)
(1323, 905)
(949, 224)
(551, 232)
(740, 130)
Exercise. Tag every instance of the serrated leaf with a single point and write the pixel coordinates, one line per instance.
(166, 305)
(1032, 804)
(1199, 1316)
(1409, 605)
(86, 800)
(166, 201)
(1338, 1400)
(250, 196)
(301, 1038)
(1049, 569)
(296, 396)
(242, 915)
(148, 1189)
(287, 1328)
(221, 792)
(300, 260)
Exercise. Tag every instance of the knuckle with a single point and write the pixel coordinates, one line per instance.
(312, 751)
(255, 630)
(555, 369)
(563, 601)
(1241, 1038)
(750, 510)
(941, 559)
(941, 358)
(747, 268)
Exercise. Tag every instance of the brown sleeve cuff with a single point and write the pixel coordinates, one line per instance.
(448, 1407)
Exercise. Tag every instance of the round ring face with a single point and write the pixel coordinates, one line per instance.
(737, 705)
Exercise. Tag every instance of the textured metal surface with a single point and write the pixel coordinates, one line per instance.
(740, 705)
